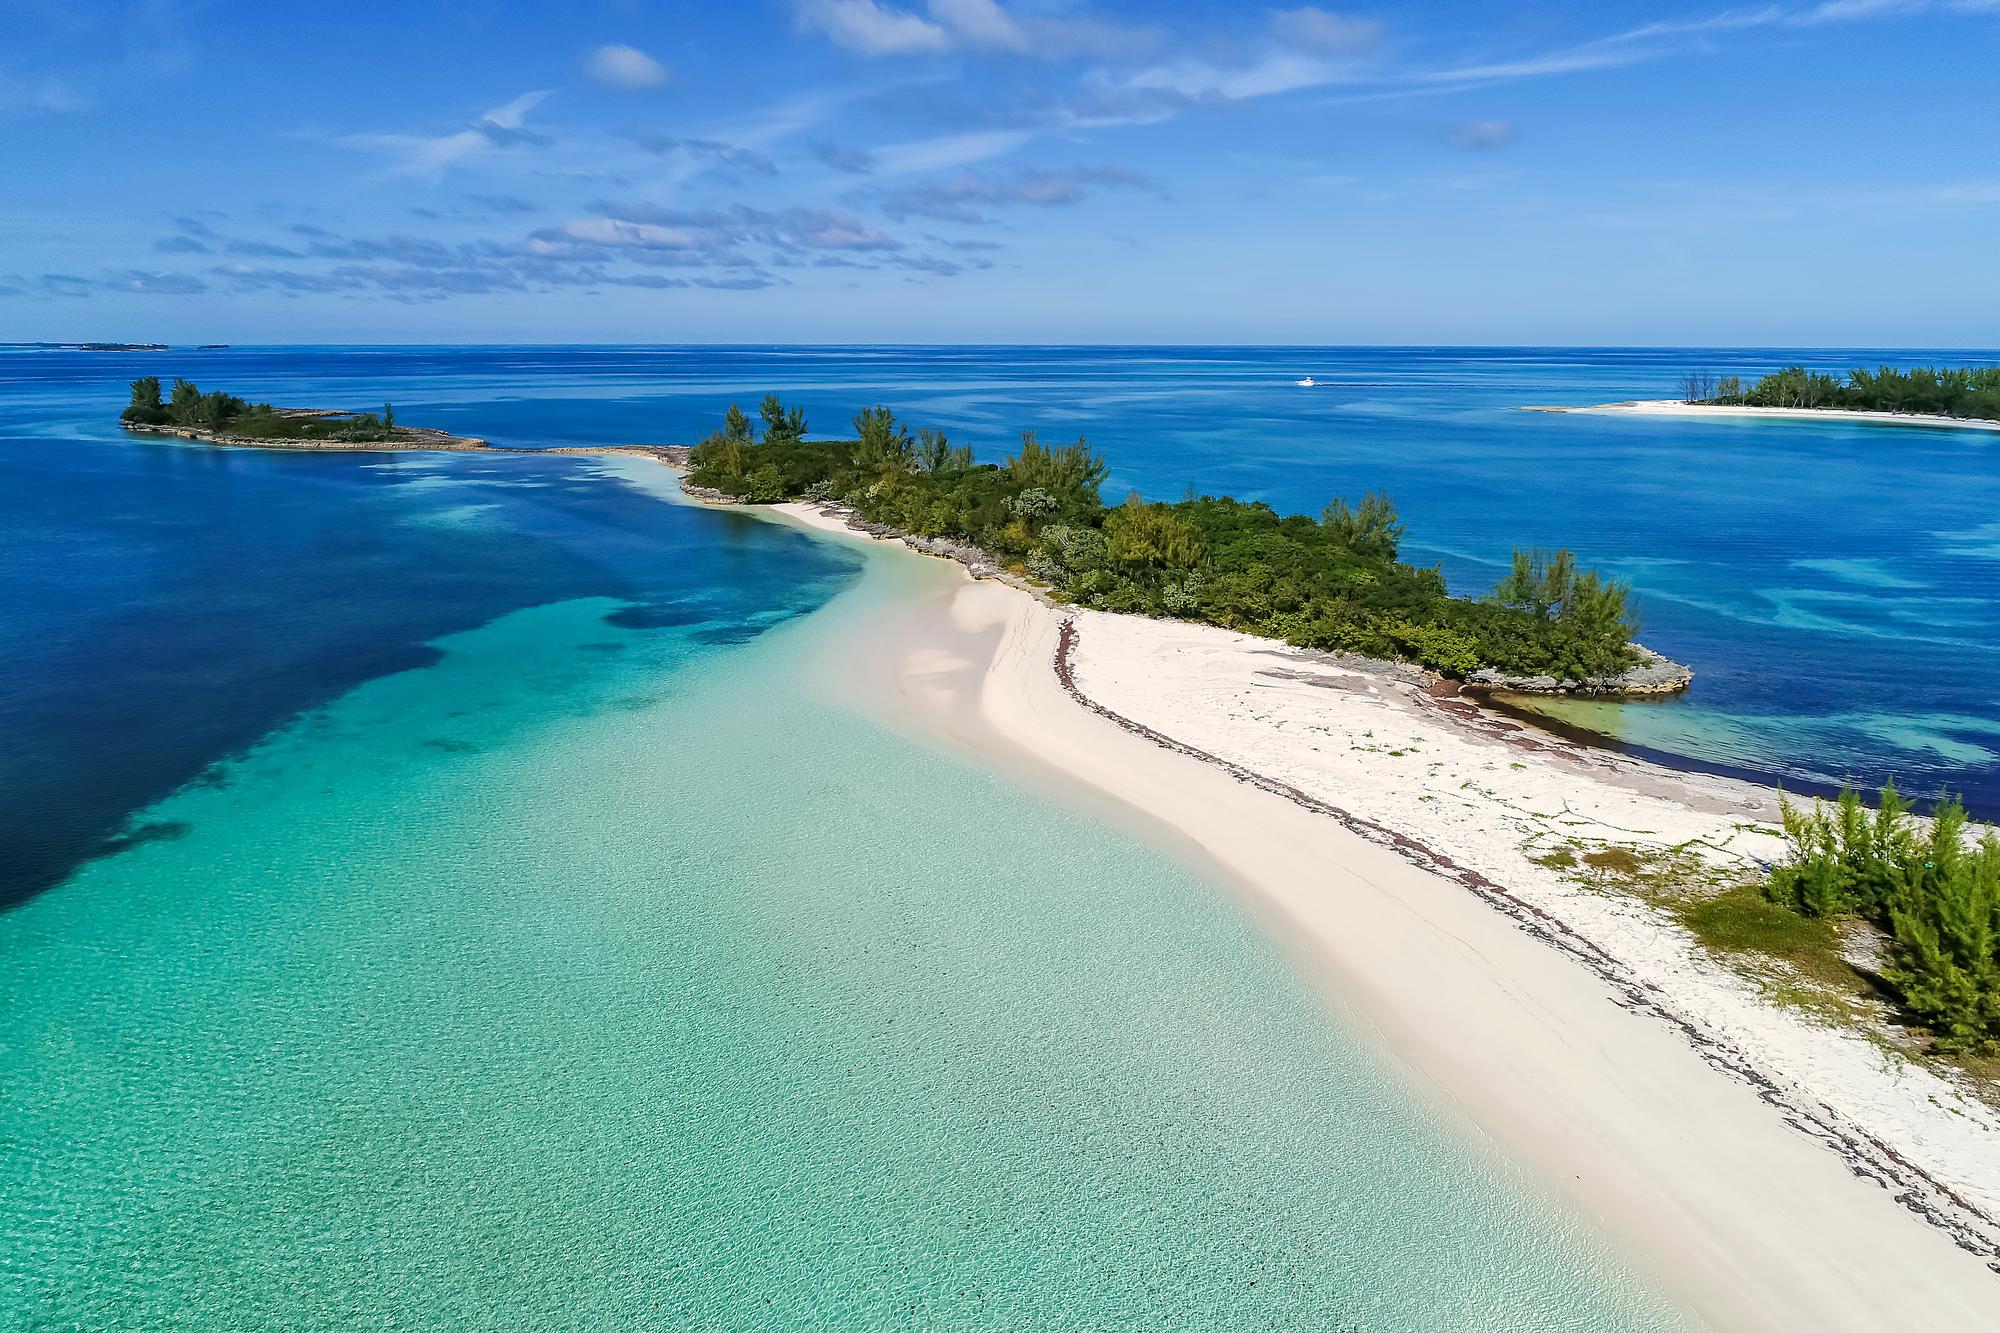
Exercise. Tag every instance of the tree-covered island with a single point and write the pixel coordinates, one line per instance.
(1972, 393)
(1333, 582)
(187, 408)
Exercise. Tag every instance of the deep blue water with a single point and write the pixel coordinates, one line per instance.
(1833, 583)
(167, 605)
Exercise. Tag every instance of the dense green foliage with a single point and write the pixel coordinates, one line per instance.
(1952, 392)
(1935, 893)
(226, 414)
(1329, 583)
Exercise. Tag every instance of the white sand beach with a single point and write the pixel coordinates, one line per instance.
(1667, 407)
(1771, 1172)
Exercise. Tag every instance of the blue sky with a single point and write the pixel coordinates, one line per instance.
(1000, 171)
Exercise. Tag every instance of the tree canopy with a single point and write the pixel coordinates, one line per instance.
(1334, 583)
(1951, 392)
(1934, 891)
(225, 414)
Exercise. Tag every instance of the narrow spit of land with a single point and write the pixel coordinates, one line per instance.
(1401, 844)
(1272, 724)
(1673, 407)
(407, 439)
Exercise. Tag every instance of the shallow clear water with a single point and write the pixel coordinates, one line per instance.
(602, 972)
(1835, 585)
(438, 894)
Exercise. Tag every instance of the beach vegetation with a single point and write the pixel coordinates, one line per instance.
(1932, 888)
(186, 405)
(1332, 583)
(1369, 528)
(1970, 392)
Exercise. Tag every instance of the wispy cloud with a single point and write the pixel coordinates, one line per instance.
(970, 197)
(503, 205)
(854, 160)
(1482, 135)
(625, 67)
(1326, 32)
(707, 154)
(722, 235)
(948, 151)
(147, 283)
(872, 28)
(502, 128)
(36, 96)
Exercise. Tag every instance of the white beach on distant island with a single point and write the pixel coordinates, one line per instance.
(1668, 407)
(1769, 1171)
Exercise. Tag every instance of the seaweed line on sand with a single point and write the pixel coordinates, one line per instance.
(1867, 1156)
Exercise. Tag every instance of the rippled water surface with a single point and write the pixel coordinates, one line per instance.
(1836, 585)
(570, 959)
(437, 892)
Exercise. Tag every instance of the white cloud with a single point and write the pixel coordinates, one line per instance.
(1483, 134)
(633, 235)
(625, 67)
(39, 95)
(864, 26)
(952, 150)
(1974, 192)
(1329, 33)
(1280, 72)
(502, 128)
(877, 29)
(980, 23)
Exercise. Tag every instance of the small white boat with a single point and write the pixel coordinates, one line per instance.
(1305, 383)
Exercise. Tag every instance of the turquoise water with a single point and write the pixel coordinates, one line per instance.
(1835, 585)
(599, 971)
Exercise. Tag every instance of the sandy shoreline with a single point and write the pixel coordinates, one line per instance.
(1385, 836)
(1667, 407)
(1814, 1183)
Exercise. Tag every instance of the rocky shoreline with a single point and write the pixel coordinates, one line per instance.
(409, 439)
(1656, 676)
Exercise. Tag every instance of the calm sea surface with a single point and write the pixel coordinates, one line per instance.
(421, 908)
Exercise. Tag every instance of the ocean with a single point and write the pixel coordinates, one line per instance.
(439, 891)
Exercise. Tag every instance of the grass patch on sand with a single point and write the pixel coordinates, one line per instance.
(1821, 967)
(1796, 961)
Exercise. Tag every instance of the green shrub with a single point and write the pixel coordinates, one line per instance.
(1330, 584)
(1936, 895)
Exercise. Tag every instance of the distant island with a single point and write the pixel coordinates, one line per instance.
(1970, 392)
(1331, 583)
(222, 418)
(91, 347)
(1966, 398)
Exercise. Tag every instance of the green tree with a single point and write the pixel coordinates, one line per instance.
(936, 455)
(1937, 897)
(1369, 529)
(766, 485)
(736, 426)
(1071, 473)
(145, 407)
(883, 443)
(781, 425)
(1152, 537)
(184, 404)
(1944, 916)
(1538, 583)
